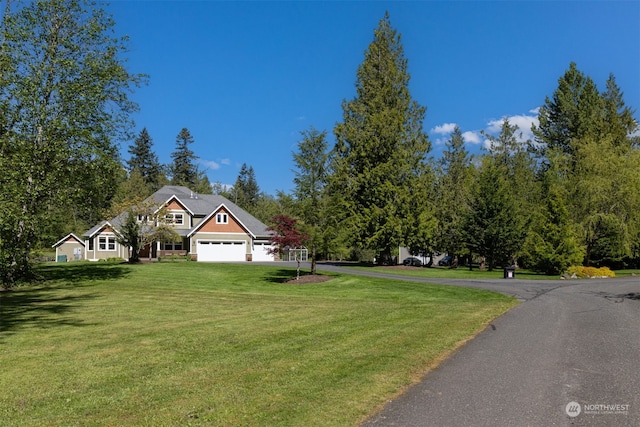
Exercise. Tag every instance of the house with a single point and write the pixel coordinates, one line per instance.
(69, 248)
(211, 228)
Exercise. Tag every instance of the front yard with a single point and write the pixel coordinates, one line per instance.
(171, 344)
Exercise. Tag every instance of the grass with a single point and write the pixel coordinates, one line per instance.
(451, 273)
(465, 273)
(179, 344)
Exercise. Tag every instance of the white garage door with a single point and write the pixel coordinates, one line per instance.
(260, 252)
(221, 251)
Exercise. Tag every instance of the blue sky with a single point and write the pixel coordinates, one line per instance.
(247, 77)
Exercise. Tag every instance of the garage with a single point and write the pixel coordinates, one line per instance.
(221, 250)
(261, 251)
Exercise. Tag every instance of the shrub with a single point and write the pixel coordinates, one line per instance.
(585, 272)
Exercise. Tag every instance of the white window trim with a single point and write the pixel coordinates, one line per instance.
(222, 218)
(109, 243)
(172, 218)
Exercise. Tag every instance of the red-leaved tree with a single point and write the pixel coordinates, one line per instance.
(286, 235)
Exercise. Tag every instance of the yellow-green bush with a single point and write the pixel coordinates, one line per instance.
(584, 272)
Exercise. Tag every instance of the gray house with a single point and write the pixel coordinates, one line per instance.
(211, 228)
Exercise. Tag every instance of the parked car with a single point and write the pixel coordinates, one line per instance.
(446, 261)
(413, 261)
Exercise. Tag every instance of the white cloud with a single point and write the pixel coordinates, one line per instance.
(225, 161)
(471, 137)
(444, 129)
(210, 164)
(522, 121)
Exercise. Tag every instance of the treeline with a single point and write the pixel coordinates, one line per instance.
(569, 196)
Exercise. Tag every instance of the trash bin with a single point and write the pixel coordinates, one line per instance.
(509, 272)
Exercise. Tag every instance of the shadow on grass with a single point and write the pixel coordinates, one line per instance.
(39, 308)
(281, 275)
(46, 303)
(81, 272)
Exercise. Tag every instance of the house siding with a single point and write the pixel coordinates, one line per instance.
(232, 226)
(118, 251)
(71, 248)
(200, 215)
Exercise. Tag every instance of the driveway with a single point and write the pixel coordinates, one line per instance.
(569, 355)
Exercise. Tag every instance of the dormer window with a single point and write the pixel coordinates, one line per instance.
(222, 218)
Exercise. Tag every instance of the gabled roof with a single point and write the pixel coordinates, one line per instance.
(177, 199)
(198, 205)
(215, 211)
(96, 228)
(67, 237)
(203, 205)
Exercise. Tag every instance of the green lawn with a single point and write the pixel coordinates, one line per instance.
(450, 273)
(464, 272)
(178, 344)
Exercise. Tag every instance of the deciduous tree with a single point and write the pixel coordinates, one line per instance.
(286, 236)
(63, 104)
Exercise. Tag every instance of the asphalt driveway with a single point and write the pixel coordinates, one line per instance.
(569, 355)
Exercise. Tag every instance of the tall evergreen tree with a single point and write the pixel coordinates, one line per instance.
(183, 169)
(593, 130)
(519, 167)
(145, 160)
(578, 111)
(453, 194)
(310, 180)
(553, 242)
(246, 189)
(618, 117)
(492, 230)
(203, 185)
(380, 150)
(63, 104)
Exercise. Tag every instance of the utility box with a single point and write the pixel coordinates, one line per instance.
(509, 272)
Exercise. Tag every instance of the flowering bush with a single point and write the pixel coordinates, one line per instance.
(584, 272)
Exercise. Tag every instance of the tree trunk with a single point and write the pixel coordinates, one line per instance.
(313, 259)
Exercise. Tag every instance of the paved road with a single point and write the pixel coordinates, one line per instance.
(570, 341)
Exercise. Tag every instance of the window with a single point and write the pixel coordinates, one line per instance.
(106, 243)
(222, 218)
(143, 218)
(91, 244)
(174, 218)
(173, 246)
